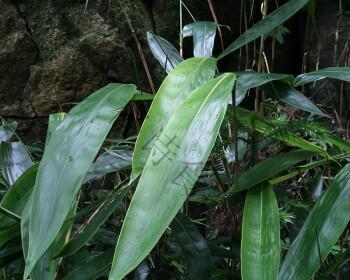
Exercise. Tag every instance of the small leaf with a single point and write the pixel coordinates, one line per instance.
(164, 52)
(203, 33)
(260, 248)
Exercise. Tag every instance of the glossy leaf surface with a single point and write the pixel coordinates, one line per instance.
(174, 165)
(7, 130)
(321, 230)
(187, 76)
(260, 247)
(203, 33)
(266, 25)
(66, 160)
(164, 52)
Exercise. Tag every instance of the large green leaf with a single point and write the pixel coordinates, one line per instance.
(194, 247)
(339, 73)
(187, 76)
(251, 79)
(321, 230)
(173, 167)
(14, 160)
(7, 130)
(96, 219)
(66, 160)
(260, 247)
(266, 25)
(17, 196)
(292, 97)
(164, 52)
(203, 33)
(268, 168)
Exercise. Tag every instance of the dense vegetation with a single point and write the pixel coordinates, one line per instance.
(207, 189)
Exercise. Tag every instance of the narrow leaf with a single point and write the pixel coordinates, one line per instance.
(339, 73)
(203, 33)
(164, 52)
(321, 230)
(173, 167)
(66, 160)
(266, 25)
(260, 248)
(187, 76)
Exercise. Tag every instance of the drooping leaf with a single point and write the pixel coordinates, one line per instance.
(14, 160)
(251, 79)
(203, 33)
(94, 268)
(321, 230)
(268, 168)
(66, 160)
(194, 247)
(266, 25)
(7, 130)
(258, 123)
(260, 248)
(339, 73)
(318, 186)
(97, 219)
(187, 76)
(172, 168)
(292, 97)
(18, 195)
(164, 52)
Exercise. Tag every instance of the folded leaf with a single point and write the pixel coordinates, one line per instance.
(67, 157)
(203, 33)
(173, 167)
(187, 76)
(260, 248)
(321, 230)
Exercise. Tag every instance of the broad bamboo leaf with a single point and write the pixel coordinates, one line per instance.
(258, 123)
(187, 76)
(260, 247)
(17, 196)
(97, 219)
(318, 186)
(173, 167)
(251, 79)
(14, 160)
(268, 168)
(66, 160)
(46, 267)
(164, 52)
(292, 97)
(321, 230)
(339, 73)
(194, 247)
(266, 25)
(7, 130)
(203, 33)
(92, 269)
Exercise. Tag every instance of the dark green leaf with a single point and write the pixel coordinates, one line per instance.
(339, 73)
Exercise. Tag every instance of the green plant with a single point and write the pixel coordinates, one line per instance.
(196, 145)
